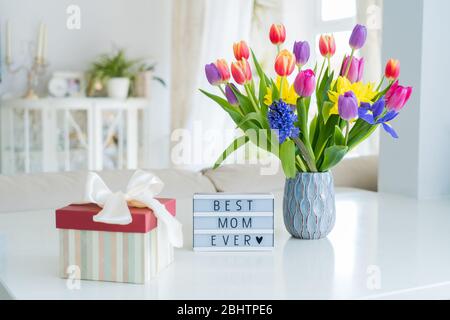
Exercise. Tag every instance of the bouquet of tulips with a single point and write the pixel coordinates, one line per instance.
(348, 110)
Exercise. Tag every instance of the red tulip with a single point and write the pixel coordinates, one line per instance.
(222, 66)
(241, 50)
(277, 34)
(241, 71)
(392, 71)
(284, 63)
(327, 46)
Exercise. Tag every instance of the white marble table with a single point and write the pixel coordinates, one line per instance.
(383, 246)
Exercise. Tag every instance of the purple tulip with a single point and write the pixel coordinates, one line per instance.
(305, 83)
(355, 73)
(213, 74)
(229, 93)
(301, 52)
(348, 106)
(358, 37)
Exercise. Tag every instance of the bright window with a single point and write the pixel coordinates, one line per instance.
(338, 9)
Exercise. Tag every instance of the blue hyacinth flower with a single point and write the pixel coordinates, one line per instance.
(282, 118)
(372, 114)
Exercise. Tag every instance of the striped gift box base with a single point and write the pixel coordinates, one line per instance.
(111, 256)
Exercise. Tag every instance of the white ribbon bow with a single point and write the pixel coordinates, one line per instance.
(141, 190)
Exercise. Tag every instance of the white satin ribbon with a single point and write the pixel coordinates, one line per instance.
(141, 190)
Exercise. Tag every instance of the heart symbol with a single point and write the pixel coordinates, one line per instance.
(259, 239)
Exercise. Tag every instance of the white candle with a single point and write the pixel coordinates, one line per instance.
(40, 42)
(44, 44)
(8, 54)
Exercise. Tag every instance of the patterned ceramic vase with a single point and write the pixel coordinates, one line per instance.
(308, 205)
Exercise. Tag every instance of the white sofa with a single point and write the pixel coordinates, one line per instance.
(45, 191)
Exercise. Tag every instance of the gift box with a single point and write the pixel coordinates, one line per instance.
(133, 252)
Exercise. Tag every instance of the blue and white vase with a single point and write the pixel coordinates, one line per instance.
(308, 205)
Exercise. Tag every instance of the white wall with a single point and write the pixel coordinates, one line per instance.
(140, 26)
(417, 164)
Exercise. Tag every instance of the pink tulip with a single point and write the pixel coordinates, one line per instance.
(355, 73)
(305, 83)
(397, 96)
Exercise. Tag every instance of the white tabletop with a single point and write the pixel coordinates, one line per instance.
(383, 246)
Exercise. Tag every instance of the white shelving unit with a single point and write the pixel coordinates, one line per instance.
(61, 134)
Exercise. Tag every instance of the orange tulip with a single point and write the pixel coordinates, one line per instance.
(277, 34)
(241, 71)
(284, 63)
(222, 66)
(327, 46)
(241, 50)
(392, 71)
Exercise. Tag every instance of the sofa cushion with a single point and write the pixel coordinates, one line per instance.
(358, 172)
(53, 190)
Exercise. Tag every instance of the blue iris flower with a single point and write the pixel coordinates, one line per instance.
(282, 118)
(372, 114)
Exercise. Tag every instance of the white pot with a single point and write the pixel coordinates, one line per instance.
(118, 88)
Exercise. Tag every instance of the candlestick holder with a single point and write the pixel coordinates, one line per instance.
(34, 71)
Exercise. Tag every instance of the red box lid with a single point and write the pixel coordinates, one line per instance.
(79, 217)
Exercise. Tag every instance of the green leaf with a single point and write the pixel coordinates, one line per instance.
(275, 92)
(287, 157)
(259, 70)
(382, 93)
(327, 106)
(232, 111)
(333, 155)
(324, 133)
(236, 144)
(312, 129)
(322, 92)
(244, 101)
(357, 136)
(262, 94)
(302, 112)
(339, 138)
(256, 117)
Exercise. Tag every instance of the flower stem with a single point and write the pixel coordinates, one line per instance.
(380, 84)
(250, 96)
(223, 91)
(321, 71)
(347, 131)
(306, 154)
(329, 65)
(349, 63)
(281, 87)
(301, 164)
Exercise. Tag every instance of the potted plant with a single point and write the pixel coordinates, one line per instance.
(348, 112)
(116, 71)
(122, 77)
(141, 79)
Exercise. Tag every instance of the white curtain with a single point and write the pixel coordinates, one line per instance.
(204, 31)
